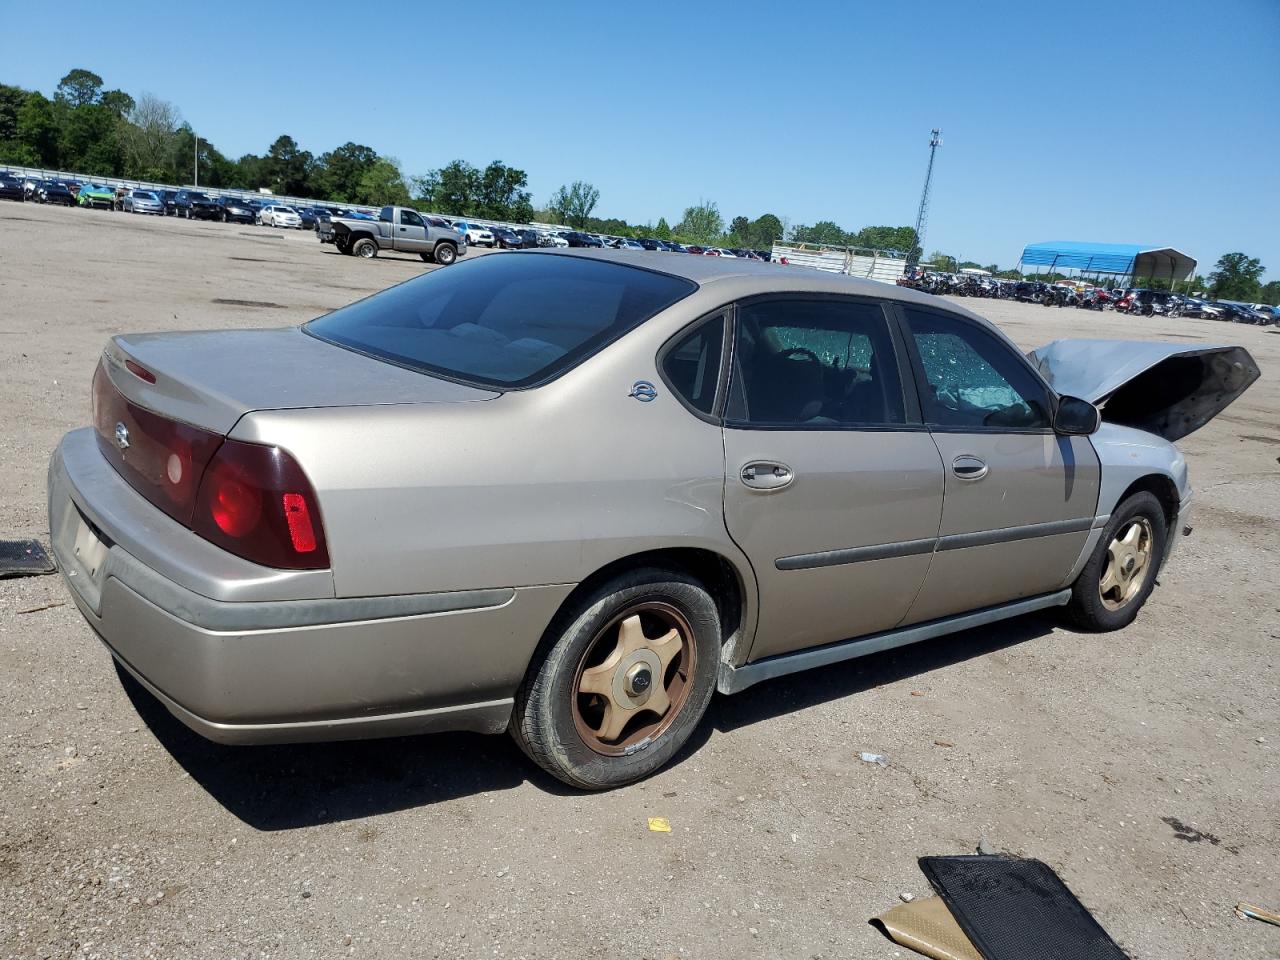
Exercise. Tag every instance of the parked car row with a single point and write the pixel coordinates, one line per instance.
(1137, 301)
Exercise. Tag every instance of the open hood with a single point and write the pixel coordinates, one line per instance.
(1168, 389)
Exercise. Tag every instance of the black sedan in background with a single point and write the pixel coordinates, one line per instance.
(11, 188)
(577, 239)
(195, 205)
(170, 200)
(528, 239)
(506, 239)
(51, 191)
(236, 211)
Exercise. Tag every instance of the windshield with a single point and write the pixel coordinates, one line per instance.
(144, 195)
(510, 321)
(196, 196)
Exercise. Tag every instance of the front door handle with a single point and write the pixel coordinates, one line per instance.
(969, 468)
(766, 475)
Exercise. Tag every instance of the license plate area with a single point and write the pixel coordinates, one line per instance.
(90, 550)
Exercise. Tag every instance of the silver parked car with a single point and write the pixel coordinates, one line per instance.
(571, 495)
(143, 201)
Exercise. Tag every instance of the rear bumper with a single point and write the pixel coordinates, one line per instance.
(259, 671)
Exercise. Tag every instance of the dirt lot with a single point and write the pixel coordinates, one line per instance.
(1141, 765)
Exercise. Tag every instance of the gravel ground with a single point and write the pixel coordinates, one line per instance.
(1141, 765)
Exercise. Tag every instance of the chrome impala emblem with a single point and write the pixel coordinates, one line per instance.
(122, 436)
(644, 391)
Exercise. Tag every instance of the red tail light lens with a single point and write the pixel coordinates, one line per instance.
(256, 502)
(161, 458)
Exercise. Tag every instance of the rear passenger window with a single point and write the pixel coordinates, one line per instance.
(692, 366)
(814, 363)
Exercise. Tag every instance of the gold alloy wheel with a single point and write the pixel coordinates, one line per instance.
(634, 678)
(1128, 560)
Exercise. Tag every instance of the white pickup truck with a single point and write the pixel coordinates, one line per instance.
(399, 228)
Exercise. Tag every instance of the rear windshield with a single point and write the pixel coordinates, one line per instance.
(507, 320)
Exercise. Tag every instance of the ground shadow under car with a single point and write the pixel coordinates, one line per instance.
(298, 785)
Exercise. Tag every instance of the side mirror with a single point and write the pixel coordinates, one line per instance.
(1076, 417)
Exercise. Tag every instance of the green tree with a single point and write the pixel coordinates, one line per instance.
(898, 239)
(573, 203)
(79, 87)
(149, 137)
(454, 189)
(89, 141)
(701, 223)
(1236, 276)
(765, 231)
(38, 130)
(663, 230)
(382, 183)
(824, 231)
(503, 194)
(739, 232)
(251, 171)
(943, 261)
(341, 171)
(288, 168)
(118, 102)
(11, 101)
(1270, 293)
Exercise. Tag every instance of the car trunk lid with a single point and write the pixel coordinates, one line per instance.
(1168, 389)
(210, 379)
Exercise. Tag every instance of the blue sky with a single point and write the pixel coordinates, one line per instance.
(1114, 121)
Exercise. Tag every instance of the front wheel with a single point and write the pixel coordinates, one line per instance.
(445, 254)
(365, 249)
(621, 680)
(1121, 573)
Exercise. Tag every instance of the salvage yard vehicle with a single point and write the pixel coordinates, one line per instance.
(143, 201)
(194, 205)
(235, 210)
(565, 495)
(95, 195)
(51, 191)
(278, 215)
(400, 229)
(11, 187)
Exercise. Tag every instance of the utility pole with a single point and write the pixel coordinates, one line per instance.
(197, 161)
(935, 141)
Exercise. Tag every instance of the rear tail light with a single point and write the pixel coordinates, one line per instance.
(252, 500)
(256, 502)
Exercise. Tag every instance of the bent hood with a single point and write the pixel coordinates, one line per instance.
(1167, 389)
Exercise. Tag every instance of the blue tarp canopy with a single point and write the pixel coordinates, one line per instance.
(1133, 259)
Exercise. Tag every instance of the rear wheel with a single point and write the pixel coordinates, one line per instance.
(621, 680)
(1121, 573)
(365, 249)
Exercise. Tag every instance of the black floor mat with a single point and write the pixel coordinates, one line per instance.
(1016, 909)
(23, 558)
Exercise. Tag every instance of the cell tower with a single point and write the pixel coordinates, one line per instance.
(922, 218)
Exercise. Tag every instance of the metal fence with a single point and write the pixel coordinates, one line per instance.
(881, 265)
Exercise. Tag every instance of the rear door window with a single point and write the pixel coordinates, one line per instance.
(516, 320)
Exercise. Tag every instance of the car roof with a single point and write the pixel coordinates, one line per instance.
(742, 277)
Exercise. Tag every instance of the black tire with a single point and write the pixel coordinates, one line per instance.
(1086, 609)
(445, 254)
(364, 248)
(543, 719)
(343, 246)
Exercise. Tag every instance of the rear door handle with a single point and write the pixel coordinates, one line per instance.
(969, 468)
(766, 475)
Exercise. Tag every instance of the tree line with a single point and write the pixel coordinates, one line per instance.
(92, 130)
